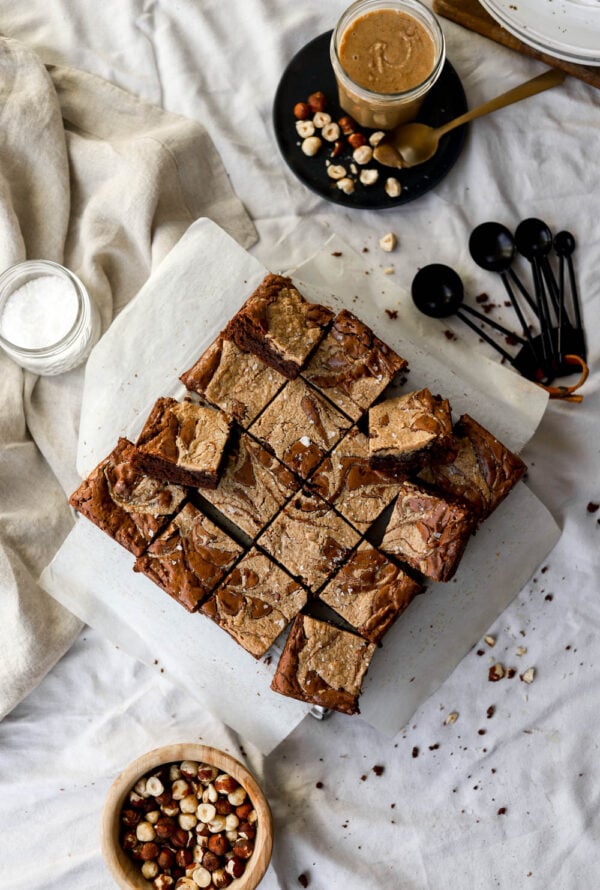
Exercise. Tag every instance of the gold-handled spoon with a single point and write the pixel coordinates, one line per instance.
(412, 144)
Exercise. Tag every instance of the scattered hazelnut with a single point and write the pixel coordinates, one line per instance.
(346, 185)
(130, 818)
(363, 154)
(330, 132)
(317, 101)
(347, 125)
(210, 861)
(336, 171)
(337, 149)
(231, 822)
(496, 672)
(302, 111)
(388, 242)
(321, 119)
(242, 811)
(356, 140)
(305, 129)
(223, 807)
(451, 718)
(369, 176)
(392, 187)
(521, 650)
(491, 641)
(376, 137)
(528, 675)
(311, 146)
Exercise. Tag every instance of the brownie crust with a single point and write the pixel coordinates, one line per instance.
(323, 665)
(278, 325)
(190, 558)
(127, 504)
(352, 366)
(255, 602)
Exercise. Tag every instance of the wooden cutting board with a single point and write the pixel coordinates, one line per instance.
(472, 15)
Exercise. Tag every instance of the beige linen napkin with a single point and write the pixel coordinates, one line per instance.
(106, 184)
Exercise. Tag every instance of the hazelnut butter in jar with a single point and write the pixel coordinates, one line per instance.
(386, 55)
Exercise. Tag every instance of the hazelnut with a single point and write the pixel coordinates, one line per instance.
(388, 242)
(152, 816)
(302, 111)
(174, 772)
(163, 882)
(321, 119)
(223, 807)
(149, 851)
(189, 804)
(218, 845)
(330, 132)
(363, 154)
(311, 146)
(180, 837)
(187, 821)
(202, 830)
(356, 140)
(225, 784)
(145, 832)
(183, 858)
(210, 861)
(140, 788)
(171, 809)
(242, 811)
(149, 869)
(207, 774)
(217, 824)
(210, 794)
(154, 786)
(130, 817)
(392, 187)
(336, 171)
(243, 848)
(347, 125)
(337, 149)
(317, 101)
(136, 800)
(376, 137)
(202, 877)
(206, 812)
(188, 769)
(129, 840)
(220, 878)
(164, 828)
(231, 822)
(165, 858)
(369, 177)
(185, 884)
(246, 831)
(346, 185)
(198, 853)
(304, 129)
(236, 867)
(528, 675)
(180, 789)
(252, 817)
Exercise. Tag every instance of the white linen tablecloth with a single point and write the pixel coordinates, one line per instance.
(507, 800)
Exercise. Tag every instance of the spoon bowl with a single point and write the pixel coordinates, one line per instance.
(492, 246)
(564, 243)
(533, 238)
(437, 291)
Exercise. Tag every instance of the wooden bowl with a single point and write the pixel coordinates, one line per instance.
(125, 871)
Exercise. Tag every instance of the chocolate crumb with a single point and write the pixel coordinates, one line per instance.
(303, 879)
(502, 811)
(544, 569)
(511, 673)
(480, 652)
(482, 298)
(365, 250)
(434, 747)
(268, 659)
(393, 313)
(549, 597)
(363, 778)
(449, 335)
(490, 711)
(415, 751)
(378, 769)
(336, 253)
(318, 784)
(592, 507)
(481, 731)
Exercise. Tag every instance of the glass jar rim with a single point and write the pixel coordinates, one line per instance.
(59, 271)
(410, 7)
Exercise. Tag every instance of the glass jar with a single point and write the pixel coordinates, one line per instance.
(385, 110)
(48, 322)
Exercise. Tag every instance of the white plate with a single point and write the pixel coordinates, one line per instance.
(566, 29)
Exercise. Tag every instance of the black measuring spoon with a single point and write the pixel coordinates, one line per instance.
(533, 240)
(437, 291)
(492, 246)
(564, 247)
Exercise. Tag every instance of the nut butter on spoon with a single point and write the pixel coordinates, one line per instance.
(412, 144)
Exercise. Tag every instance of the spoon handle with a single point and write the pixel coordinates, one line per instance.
(550, 78)
(484, 336)
(493, 324)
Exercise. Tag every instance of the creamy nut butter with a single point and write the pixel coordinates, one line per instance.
(386, 55)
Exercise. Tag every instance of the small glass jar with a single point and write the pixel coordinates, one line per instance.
(383, 111)
(48, 322)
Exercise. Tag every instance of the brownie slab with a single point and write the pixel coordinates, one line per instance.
(323, 665)
(255, 602)
(190, 558)
(406, 432)
(300, 427)
(183, 442)
(483, 472)
(278, 325)
(428, 532)
(253, 486)
(352, 366)
(309, 539)
(237, 382)
(346, 480)
(124, 502)
(370, 592)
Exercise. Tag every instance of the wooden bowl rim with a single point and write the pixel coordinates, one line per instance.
(126, 871)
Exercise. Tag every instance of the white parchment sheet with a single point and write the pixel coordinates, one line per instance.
(177, 314)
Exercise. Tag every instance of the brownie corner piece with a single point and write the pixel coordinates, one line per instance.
(124, 502)
(189, 558)
(323, 665)
(279, 325)
(428, 531)
(352, 366)
(255, 602)
(184, 442)
(370, 592)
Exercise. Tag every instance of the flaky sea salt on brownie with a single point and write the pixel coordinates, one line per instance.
(190, 558)
(309, 539)
(323, 665)
(300, 426)
(125, 502)
(345, 479)
(428, 532)
(483, 472)
(405, 432)
(237, 382)
(352, 366)
(278, 325)
(253, 486)
(370, 592)
(255, 602)
(184, 442)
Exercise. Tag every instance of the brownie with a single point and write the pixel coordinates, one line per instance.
(323, 665)
(406, 432)
(300, 426)
(309, 539)
(183, 442)
(278, 325)
(255, 602)
(483, 472)
(125, 502)
(237, 382)
(254, 485)
(345, 479)
(352, 366)
(428, 532)
(189, 558)
(370, 592)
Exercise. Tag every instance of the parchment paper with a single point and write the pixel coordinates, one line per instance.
(202, 282)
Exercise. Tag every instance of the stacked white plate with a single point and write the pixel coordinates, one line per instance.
(566, 29)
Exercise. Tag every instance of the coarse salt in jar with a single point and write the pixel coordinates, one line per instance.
(48, 322)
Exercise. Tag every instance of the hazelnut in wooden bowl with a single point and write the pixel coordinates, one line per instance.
(184, 817)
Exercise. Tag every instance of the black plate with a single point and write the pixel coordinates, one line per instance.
(310, 70)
